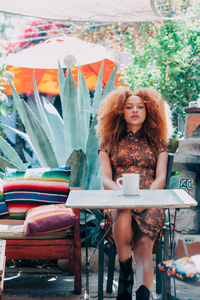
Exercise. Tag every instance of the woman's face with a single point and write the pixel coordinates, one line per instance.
(134, 112)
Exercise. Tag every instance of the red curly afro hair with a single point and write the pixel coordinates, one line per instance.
(111, 124)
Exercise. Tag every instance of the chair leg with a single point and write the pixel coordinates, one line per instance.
(100, 266)
(158, 272)
(111, 267)
(166, 291)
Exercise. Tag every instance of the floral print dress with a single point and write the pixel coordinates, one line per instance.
(133, 154)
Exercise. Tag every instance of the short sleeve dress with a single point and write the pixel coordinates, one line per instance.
(134, 154)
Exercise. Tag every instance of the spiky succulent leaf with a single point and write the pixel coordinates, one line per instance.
(61, 80)
(111, 83)
(4, 163)
(11, 154)
(32, 162)
(78, 163)
(26, 138)
(2, 175)
(17, 102)
(84, 109)
(98, 91)
(70, 115)
(92, 153)
(50, 128)
(57, 126)
(43, 117)
(22, 134)
(43, 148)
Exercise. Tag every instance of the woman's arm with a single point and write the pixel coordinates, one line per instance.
(161, 172)
(106, 172)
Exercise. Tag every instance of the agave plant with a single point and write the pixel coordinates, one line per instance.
(57, 140)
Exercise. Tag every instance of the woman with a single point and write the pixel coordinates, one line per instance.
(132, 128)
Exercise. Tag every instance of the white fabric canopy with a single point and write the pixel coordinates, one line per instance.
(84, 10)
(47, 54)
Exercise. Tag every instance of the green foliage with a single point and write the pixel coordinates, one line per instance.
(89, 222)
(4, 105)
(58, 140)
(166, 56)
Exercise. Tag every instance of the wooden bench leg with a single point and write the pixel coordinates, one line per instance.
(2, 265)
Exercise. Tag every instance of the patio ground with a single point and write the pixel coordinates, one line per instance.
(52, 283)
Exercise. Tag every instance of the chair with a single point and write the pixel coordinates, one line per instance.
(184, 267)
(54, 245)
(112, 251)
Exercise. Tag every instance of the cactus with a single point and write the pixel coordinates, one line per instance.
(71, 138)
(79, 168)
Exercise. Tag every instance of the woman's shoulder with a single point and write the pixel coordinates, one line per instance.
(163, 146)
(104, 147)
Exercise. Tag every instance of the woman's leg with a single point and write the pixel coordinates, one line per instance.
(123, 236)
(123, 233)
(142, 249)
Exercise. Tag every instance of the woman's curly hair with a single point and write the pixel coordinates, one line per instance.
(112, 126)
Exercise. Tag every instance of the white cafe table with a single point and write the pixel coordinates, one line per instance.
(100, 199)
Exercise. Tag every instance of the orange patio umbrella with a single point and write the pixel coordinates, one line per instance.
(43, 60)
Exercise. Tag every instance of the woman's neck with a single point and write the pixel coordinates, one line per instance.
(134, 129)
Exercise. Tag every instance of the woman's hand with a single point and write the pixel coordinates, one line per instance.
(161, 172)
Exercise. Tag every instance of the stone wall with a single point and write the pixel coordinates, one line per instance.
(187, 163)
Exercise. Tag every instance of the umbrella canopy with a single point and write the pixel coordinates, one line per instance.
(43, 60)
(102, 10)
(88, 10)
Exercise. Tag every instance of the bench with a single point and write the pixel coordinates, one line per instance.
(63, 244)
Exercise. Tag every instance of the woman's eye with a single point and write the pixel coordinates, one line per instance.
(140, 107)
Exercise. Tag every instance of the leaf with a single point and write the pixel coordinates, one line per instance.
(44, 151)
(70, 115)
(20, 133)
(88, 217)
(32, 162)
(84, 109)
(79, 167)
(42, 114)
(98, 91)
(92, 153)
(111, 83)
(17, 102)
(11, 154)
(61, 80)
(1, 175)
(57, 128)
(4, 163)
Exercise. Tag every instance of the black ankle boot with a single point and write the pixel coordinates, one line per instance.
(125, 280)
(142, 293)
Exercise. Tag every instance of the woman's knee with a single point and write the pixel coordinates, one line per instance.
(143, 247)
(122, 215)
(122, 227)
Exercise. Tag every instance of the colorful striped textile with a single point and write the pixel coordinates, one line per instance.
(4, 214)
(48, 218)
(186, 268)
(25, 189)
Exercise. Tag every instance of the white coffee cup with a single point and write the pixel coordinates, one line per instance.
(130, 184)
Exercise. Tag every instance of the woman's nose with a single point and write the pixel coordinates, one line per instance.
(134, 108)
